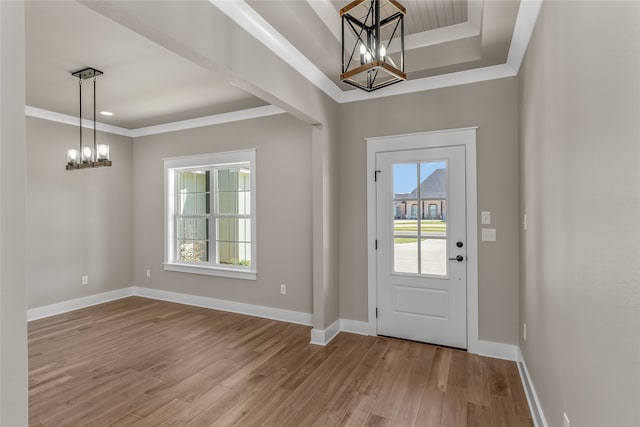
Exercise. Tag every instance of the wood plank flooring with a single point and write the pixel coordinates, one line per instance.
(141, 362)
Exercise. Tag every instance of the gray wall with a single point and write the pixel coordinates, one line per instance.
(78, 222)
(579, 96)
(278, 83)
(284, 232)
(493, 107)
(13, 324)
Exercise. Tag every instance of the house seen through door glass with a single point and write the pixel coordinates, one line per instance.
(420, 218)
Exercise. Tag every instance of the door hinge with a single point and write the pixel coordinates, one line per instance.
(376, 312)
(376, 244)
(375, 175)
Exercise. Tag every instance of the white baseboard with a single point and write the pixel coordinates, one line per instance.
(354, 326)
(224, 305)
(324, 337)
(497, 350)
(484, 348)
(198, 301)
(78, 303)
(539, 419)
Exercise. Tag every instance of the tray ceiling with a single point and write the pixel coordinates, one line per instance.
(146, 84)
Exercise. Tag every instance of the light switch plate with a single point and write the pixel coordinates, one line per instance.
(485, 217)
(488, 234)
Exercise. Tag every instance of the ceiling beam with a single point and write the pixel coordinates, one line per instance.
(525, 22)
(249, 20)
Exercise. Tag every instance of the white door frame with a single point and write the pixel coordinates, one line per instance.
(444, 138)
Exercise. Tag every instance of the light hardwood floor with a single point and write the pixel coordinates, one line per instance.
(143, 362)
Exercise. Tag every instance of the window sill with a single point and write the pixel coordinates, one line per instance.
(211, 271)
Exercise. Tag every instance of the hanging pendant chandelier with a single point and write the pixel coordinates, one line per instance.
(88, 156)
(372, 43)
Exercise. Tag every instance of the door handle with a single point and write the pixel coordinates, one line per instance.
(458, 258)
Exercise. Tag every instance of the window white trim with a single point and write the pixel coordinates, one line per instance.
(212, 160)
(211, 271)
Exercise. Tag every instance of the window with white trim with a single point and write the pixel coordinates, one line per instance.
(210, 214)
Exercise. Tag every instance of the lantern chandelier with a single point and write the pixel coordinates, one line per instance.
(372, 43)
(87, 156)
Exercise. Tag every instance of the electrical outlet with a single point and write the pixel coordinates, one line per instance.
(524, 222)
(565, 420)
(85, 280)
(148, 274)
(486, 217)
(524, 331)
(283, 289)
(488, 234)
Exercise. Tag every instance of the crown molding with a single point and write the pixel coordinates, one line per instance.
(52, 116)
(234, 116)
(435, 82)
(247, 18)
(241, 13)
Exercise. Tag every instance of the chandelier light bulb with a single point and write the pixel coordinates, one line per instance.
(103, 152)
(383, 52)
(86, 154)
(72, 156)
(368, 56)
(362, 49)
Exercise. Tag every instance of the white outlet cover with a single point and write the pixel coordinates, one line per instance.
(488, 234)
(485, 217)
(524, 331)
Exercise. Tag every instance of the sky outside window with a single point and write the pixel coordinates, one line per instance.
(404, 175)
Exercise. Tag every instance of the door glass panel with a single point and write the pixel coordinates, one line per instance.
(405, 255)
(433, 259)
(405, 215)
(433, 222)
(420, 216)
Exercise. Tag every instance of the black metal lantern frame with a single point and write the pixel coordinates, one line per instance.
(368, 65)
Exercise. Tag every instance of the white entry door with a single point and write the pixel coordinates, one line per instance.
(421, 237)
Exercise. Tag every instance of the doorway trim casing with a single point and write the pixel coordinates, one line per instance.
(465, 137)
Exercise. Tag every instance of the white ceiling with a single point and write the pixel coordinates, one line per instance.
(145, 84)
(482, 40)
(422, 15)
